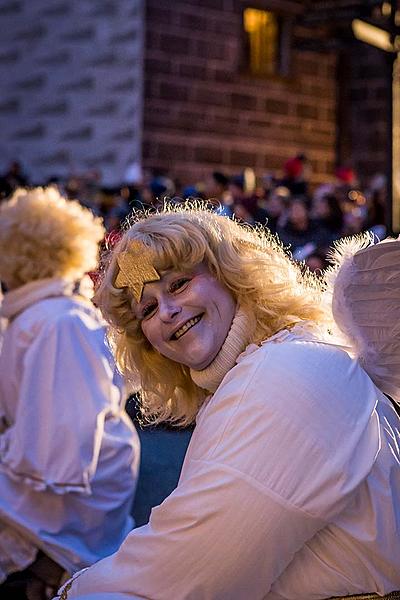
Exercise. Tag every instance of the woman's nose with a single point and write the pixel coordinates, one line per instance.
(168, 310)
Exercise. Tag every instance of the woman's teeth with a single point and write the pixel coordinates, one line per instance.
(185, 327)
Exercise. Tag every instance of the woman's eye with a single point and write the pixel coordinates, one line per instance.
(178, 284)
(148, 310)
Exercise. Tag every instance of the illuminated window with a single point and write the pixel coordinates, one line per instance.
(262, 33)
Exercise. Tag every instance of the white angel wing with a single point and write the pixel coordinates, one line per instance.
(365, 287)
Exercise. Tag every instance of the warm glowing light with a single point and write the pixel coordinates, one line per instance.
(386, 9)
(365, 32)
(357, 197)
(249, 179)
(352, 195)
(254, 19)
(262, 29)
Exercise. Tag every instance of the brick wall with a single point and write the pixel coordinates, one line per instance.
(203, 111)
(364, 88)
(71, 79)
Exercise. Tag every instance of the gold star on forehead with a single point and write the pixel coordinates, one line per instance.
(135, 269)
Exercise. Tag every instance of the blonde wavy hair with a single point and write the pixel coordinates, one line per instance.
(44, 235)
(250, 262)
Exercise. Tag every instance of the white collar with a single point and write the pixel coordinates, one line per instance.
(17, 300)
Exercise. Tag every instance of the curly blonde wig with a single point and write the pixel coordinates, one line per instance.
(250, 262)
(44, 235)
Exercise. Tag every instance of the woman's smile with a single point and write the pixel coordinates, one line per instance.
(186, 327)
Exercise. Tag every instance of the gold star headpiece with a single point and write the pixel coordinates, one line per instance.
(135, 268)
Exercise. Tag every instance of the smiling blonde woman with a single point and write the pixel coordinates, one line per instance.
(251, 265)
(290, 488)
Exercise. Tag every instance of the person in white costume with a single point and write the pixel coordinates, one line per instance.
(68, 452)
(290, 488)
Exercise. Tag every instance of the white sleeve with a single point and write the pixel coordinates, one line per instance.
(65, 394)
(260, 480)
(216, 537)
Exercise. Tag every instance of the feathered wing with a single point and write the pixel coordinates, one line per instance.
(364, 284)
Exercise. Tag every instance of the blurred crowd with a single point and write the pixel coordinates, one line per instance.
(307, 219)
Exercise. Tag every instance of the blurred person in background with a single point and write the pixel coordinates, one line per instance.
(354, 220)
(276, 206)
(12, 178)
(328, 214)
(156, 190)
(317, 261)
(68, 452)
(301, 231)
(296, 175)
(244, 202)
(217, 188)
(346, 178)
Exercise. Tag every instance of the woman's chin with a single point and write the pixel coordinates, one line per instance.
(202, 363)
(200, 366)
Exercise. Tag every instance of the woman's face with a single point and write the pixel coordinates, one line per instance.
(186, 316)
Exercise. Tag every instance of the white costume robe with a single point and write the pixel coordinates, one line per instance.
(290, 489)
(68, 452)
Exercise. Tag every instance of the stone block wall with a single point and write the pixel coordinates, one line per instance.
(71, 74)
(364, 87)
(204, 111)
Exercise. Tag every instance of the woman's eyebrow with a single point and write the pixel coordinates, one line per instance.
(145, 298)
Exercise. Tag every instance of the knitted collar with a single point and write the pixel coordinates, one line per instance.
(239, 336)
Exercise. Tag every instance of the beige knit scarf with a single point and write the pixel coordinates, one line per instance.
(239, 337)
